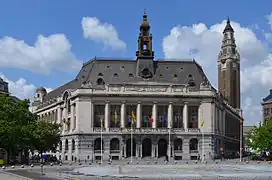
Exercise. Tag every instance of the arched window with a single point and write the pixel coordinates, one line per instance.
(66, 145)
(100, 81)
(73, 145)
(194, 144)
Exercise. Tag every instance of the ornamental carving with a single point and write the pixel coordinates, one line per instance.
(146, 89)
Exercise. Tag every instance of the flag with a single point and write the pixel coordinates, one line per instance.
(164, 118)
(115, 117)
(241, 122)
(150, 118)
(101, 123)
(202, 123)
(145, 119)
(133, 117)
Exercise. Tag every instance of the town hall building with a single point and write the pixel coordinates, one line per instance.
(147, 108)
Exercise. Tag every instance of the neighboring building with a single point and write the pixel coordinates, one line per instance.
(267, 108)
(246, 130)
(3, 86)
(161, 94)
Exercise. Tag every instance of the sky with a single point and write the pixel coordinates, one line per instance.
(44, 43)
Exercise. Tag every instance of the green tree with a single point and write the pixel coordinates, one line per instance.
(45, 136)
(21, 131)
(260, 138)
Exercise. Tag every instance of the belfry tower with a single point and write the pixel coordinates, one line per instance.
(229, 68)
(145, 54)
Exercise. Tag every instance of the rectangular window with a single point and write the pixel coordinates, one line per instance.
(115, 115)
(146, 116)
(162, 116)
(99, 115)
(129, 118)
(178, 117)
(193, 117)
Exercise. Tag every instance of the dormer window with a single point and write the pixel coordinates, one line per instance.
(100, 81)
(100, 74)
(130, 75)
(191, 81)
(115, 75)
(175, 75)
(145, 73)
(161, 75)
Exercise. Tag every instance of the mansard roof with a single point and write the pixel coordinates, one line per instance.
(116, 71)
(268, 99)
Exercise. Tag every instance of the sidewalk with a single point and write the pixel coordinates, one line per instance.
(9, 176)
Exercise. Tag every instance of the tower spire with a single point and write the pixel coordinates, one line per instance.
(228, 27)
(229, 68)
(145, 39)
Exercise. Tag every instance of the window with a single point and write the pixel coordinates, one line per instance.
(100, 81)
(130, 75)
(115, 75)
(145, 47)
(38, 95)
(100, 74)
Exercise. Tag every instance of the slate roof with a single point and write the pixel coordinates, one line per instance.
(114, 71)
(268, 99)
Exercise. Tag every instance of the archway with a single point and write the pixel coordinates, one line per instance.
(114, 145)
(146, 147)
(128, 147)
(193, 145)
(162, 146)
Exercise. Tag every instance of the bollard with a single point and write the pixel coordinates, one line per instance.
(137, 162)
(79, 164)
(195, 162)
(22, 166)
(32, 165)
(127, 162)
(176, 162)
(247, 162)
(51, 164)
(60, 164)
(12, 167)
(258, 162)
(3, 167)
(40, 165)
(186, 162)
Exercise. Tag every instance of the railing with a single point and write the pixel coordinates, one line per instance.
(193, 151)
(178, 151)
(146, 130)
(114, 151)
(98, 151)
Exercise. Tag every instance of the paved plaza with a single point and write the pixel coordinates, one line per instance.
(145, 170)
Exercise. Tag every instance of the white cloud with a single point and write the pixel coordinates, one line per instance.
(203, 43)
(104, 33)
(52, 52)
(20, 88)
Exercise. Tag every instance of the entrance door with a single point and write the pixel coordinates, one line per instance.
(162, 145)
(146, 147)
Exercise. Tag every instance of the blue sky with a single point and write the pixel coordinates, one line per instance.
(23, 66)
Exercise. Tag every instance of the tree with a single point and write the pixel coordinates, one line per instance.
(20, 130)
(260, 138)
(45, 136)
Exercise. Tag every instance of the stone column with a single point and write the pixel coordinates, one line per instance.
(92, 115)
(153, 150)
(139, 115)
(185, 115)
(154, 115)
(157, 150)
(224, 121)
(59, 115)
(170, 115)
(107, 116)
(72, 118)
(77, 116)
(186, 149)
(123, 114)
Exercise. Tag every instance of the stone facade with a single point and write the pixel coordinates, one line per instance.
(141, 108)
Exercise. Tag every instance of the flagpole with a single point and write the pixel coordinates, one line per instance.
(101, 146)
(203, 143)
(241, 140)
(131, 142)
(169, 145)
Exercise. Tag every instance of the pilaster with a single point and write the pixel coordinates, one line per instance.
(185, 115)
(72, 118)
(107, 116)
(154, 115)
(123, 114)
(139, 115)
(170, 115)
